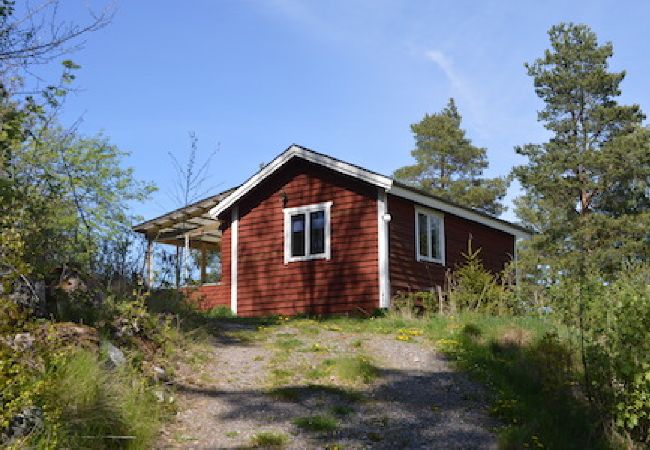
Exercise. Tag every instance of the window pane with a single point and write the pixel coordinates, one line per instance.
(422, 233)
(317, 232)
(298, 235)
(435, 237)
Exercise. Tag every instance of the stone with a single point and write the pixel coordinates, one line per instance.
(160, 374)
(22, 342)
(116, 356)
(29, 420)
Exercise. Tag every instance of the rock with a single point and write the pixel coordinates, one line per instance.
(27, 421)
(22, 342)
(160, 395)
(160, 374)
(116, 356)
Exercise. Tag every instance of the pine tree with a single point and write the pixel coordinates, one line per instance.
(449, 166)
(587, 188)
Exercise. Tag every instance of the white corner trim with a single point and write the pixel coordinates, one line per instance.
(457, 211)
(288, 212)
(441, 237)
(234, 244)
(382, 240)
(296, 151)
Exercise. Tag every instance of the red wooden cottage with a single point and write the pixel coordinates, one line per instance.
(310, 233)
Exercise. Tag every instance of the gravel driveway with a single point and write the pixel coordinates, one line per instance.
(416, 401)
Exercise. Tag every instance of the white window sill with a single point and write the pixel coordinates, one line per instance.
(306, 258)
(431, 260)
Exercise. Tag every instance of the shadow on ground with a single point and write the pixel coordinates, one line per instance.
(404, 409)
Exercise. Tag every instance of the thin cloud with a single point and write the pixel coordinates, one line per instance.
(460, 88)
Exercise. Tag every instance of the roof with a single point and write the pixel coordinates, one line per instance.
(390, 185)
(192, 219)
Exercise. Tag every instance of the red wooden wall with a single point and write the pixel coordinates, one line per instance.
(214, 295)
(345, 283)
(408, 274)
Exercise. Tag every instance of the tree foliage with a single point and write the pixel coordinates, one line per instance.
(449, 165)
(63, 195)
(587, 193)
(587, 188)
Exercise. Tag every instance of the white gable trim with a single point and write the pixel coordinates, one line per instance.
(457, 211)
(300, 152)
(380, 181)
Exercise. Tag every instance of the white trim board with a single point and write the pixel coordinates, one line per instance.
(382, 239)
(234, 244)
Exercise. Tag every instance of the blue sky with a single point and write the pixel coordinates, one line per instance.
(346, 78)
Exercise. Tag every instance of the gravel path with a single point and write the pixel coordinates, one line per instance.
(417, 400)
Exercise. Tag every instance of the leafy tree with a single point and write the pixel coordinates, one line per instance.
(587, 188)
(449, 166)
(63, 196)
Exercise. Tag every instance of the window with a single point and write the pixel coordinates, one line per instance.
(429, 236)
(307, 232)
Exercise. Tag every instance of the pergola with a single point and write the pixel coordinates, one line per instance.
(189, 227)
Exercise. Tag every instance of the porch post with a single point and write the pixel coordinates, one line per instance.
(178, 266)
(148, 277)
(204, 262)
(186, 258)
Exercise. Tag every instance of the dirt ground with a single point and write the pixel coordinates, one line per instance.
(262, 379)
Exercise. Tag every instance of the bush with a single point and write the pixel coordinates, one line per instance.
(611, 322)
(470, 287)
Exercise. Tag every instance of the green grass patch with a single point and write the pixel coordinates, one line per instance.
(316, 423)
(266, 439)
(341, 410)
(288, 343)
(352, 368)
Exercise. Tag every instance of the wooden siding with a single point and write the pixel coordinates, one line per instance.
(408, 274)
(343, 284)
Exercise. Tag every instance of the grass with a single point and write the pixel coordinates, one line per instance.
(341, 410)
(508, 354)
(266, 439)
(288, 343)
(353, 368)
(316, 423)
(93, 404)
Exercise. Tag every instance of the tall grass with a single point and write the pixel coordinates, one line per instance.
(91, 407)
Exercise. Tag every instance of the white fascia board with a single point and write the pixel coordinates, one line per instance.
(296, 151)
(460, 212)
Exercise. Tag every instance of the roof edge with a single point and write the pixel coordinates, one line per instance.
(389, 184)
(426, 199)
(308, 155)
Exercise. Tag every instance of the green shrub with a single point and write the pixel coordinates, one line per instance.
(610, 322)
(470, 287)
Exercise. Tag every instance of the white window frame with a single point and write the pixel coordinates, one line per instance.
(441, 235)
(306, 210)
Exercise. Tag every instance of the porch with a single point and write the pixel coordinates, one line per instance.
(193, 263)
